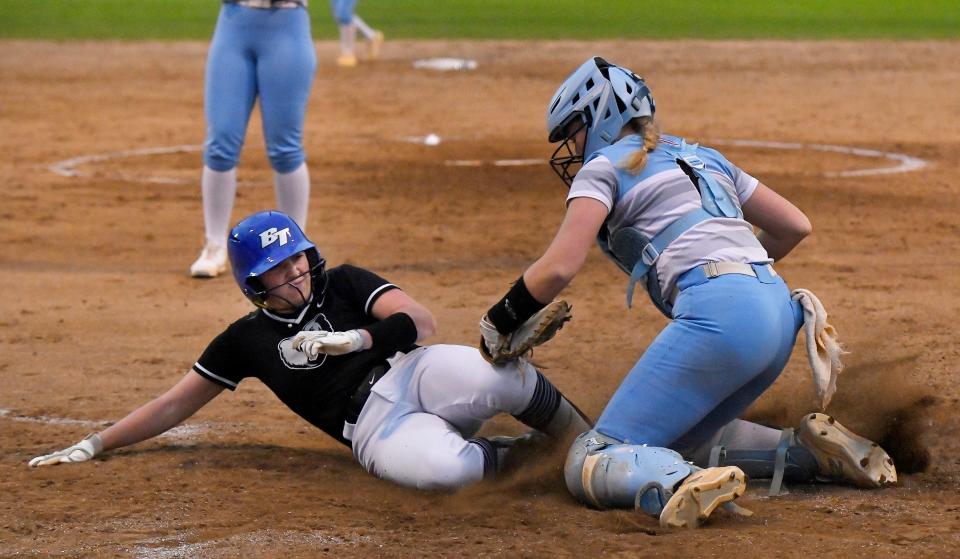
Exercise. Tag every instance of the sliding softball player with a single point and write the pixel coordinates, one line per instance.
(339, 348)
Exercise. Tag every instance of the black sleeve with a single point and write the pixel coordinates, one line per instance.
(363, 287)
(224, 361)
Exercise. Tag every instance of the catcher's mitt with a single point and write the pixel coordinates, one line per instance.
(538, 329)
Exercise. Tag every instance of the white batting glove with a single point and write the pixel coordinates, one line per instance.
(80, 452)
(320, 342)
(493, 341)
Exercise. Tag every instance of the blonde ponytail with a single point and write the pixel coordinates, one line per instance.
(643, 126)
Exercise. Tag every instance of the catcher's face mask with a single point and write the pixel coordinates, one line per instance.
(568, 157)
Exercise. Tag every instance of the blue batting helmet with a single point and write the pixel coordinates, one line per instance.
(264, 240)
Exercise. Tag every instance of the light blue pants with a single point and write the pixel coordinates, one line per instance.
(343, 11)
(730, 338)
(258, 52)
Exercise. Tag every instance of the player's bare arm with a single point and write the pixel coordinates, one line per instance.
(397, 301)
(163, 413)
(155, 417)
(782, 225)
(549, 275)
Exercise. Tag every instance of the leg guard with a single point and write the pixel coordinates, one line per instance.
(551, 413)
(821, 449)
(788, 462)
(605, 473)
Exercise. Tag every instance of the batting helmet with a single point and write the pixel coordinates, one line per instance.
(264, 240)
(600, 96)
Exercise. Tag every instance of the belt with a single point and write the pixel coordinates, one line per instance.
(712, 270)
(715, 269)
(359, 398)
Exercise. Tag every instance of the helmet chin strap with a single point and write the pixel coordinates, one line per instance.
(293, 306)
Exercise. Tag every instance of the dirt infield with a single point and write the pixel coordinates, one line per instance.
(99, 315)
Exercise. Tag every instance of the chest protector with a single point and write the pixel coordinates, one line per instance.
(636, 254)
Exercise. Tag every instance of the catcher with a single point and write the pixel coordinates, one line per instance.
(679, 219)
(339, 347)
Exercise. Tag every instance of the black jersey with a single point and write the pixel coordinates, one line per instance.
(258, 345)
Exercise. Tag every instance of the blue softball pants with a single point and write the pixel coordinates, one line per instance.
(343, 11)
(265, 53)
(730, 339)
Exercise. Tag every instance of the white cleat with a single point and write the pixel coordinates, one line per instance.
(700, 494)
(843, 455)
(376, 44)
(211, 263)
(346, 60)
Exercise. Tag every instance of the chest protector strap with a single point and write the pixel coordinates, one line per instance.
(637, 255)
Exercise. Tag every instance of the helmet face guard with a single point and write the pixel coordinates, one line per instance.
(261, 242)
(318, 281)
(566, 160)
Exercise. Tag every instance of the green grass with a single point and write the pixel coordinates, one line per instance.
(511, 19)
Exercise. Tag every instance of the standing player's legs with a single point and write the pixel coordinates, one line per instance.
(230, 91)
(343, 15)
(374, 37)
(286, 62)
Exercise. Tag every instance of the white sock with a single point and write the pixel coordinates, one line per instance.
(362, 26)
(218, 188)
(293, 193)
(348, 35)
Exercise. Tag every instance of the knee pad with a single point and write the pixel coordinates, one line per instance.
(605, 473)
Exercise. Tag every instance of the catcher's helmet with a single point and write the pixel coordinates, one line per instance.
(264, 240)
(602, 97)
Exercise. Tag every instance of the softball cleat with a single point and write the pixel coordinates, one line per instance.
(211, 263)
(700, 494)
(346, 60)
(843, 455)
(376, 45)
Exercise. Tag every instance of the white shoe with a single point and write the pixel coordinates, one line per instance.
(211, 263)
(376, 43)
(843, 455)
(700, 494)
(347, 60)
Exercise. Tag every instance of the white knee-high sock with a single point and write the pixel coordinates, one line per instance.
(362, 26)
(348, 35)
(293, 193)
(219, 188)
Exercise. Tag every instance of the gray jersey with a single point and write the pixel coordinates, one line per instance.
(659, 195)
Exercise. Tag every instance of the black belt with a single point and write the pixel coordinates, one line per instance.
(360, 395)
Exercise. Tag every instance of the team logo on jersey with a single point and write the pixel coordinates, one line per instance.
(273, 235)
(296, 359)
